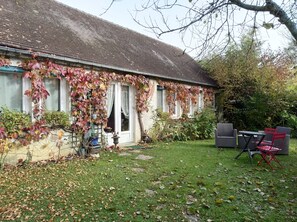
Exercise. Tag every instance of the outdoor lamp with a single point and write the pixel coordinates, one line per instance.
(115, 138)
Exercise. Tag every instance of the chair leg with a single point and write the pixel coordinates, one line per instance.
(265, 158)
(269, 161)
(269, 158)
(276, 160)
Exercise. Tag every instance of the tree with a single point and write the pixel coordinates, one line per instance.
(213, 23)
(291, 50)
(254, 84)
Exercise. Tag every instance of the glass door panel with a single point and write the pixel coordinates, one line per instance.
(111, 107)
(125, 108)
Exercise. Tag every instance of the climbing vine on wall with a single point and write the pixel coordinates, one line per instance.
(36, 71)
(88, 96)
(143, 90)
(181, 93)
(4, 61)
(208, 96)
(171, 89)
(194, 92)
(88, 92)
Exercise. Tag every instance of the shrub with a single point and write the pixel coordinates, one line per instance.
(57, 119)
(204, 124)
(14, 121)
(201, 126)
(290, 120)
(161, 129)
(5, 146)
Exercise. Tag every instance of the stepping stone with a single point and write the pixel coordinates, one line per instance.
(135, 151)
(144, 157)
(124, 154)
(150, 193)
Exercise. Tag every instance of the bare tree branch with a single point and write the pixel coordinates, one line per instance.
(110, 5)
(213, 24)
(273, 8)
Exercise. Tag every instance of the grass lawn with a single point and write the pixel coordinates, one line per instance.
(184, 181)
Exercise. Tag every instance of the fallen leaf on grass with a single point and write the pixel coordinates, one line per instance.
(271, 199)
(259, 182)
(219, 201)
(206, 206)
(231, 197)
(218, 184)
(200, 183)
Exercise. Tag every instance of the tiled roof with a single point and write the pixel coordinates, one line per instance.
(47, 26)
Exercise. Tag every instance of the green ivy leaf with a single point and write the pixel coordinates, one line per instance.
(268, 25)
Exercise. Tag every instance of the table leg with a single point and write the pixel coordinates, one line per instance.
(251, 153)
(245, 147)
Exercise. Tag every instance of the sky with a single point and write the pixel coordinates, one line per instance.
(121, 10)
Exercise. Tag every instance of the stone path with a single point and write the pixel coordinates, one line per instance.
(143, 157)
(138, 170)
(124, 154)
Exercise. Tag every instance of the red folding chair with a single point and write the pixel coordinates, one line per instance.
(269, 130)
(268, 137)
(268, 151)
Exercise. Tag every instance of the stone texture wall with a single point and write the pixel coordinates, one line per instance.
(42, 150)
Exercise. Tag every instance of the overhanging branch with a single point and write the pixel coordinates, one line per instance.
(274, 9)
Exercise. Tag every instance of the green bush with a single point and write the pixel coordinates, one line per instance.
(161, 130)
(14, 121)
(204, 124)
(256, 87)
(201, 126)
(57, 119)
(290, 120)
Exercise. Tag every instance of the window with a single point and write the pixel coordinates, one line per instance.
(11, 90)
(65, 102)
(160, 98)
(175, 105)
(110, 107)
(125, 108)
(200, 101)
(191, 108)
(52, 103)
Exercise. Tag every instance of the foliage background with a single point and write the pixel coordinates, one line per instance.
(256, 86)
(200, 126)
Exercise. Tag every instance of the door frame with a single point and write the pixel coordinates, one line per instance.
(125, 136)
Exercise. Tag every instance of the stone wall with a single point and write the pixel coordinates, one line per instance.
(42, 150)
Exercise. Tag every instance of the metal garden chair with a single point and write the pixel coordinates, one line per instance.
(268, 151)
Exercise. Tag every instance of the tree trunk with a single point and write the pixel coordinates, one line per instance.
(140, 123)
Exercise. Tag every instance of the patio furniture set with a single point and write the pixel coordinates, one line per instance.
(268, 143)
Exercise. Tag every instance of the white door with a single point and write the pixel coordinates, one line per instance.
(120, 112)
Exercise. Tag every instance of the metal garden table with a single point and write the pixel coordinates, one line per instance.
(247, 136)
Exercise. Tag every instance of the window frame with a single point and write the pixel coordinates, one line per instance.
(59, 94)
(11, 70)
(64, 100)
(162, 90)
(200, 100)
(191, 109)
